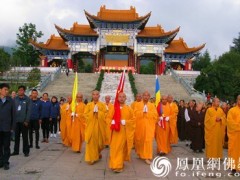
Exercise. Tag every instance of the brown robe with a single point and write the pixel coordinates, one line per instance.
(197, 130)
(181, 123)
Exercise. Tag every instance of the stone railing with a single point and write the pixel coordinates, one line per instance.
(188, 86)
(46, 80)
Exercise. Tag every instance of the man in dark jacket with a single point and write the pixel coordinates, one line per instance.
(23, 112)
(45, 116)
(35, 119)
(7, 118)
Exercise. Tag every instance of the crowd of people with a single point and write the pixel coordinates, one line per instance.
(208, 127)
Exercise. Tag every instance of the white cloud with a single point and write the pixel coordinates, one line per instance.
(214, 22)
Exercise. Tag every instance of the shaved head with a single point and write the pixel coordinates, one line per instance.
(138, 97)
(95, 95)
(216, 102)
(146, 97)
(79, 97)
(164, 99)
(107, 99)
(122, 98)
(170, 98)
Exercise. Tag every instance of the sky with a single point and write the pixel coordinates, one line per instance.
(214, 22)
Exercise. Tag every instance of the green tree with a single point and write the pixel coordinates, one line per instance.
(222, 77)
(236, 44)
(26, 53)
(34, 77)
(4, 60)
(202, 62)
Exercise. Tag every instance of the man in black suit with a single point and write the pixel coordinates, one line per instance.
(7, 118)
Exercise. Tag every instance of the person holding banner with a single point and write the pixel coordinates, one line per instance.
(162, 133)
(146, 118)
(78, 125)
(95, 132)
(121, 141)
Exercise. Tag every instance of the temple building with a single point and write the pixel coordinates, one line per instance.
(114, 39)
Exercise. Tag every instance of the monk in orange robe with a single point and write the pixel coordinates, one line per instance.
(163, 127)
(78, 125)
(233, 130)
(65, 117)
(146, 118)
(109, 106)
(138, 99)
(173, 122)
(95, 132)
(213, 123)
(122, 140)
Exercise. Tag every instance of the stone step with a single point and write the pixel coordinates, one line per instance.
(110, 85)
(167, 86)
(63, 86)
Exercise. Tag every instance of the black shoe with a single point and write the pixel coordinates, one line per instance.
(200, 151)
(162, 154)
(6, 167)
(1, 165)
(37, 147)
(233, 173)
(14, 154)
(31, 146)
(26, 155)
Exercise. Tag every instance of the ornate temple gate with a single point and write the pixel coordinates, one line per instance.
(119, 33)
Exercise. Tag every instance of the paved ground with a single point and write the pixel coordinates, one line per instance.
(54, 161)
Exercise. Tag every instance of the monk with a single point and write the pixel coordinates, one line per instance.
(121, 141)
(173, 122)
(197, 125)
(163, 127)
(95, 134)
(109, 106)
(78, 125)
(233, 130)
(146, 118)
(65, 119)
(138, 99)
(214, 122)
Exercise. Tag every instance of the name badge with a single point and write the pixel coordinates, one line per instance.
(19, 108)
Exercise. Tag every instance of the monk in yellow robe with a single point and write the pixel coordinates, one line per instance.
(163, 127)
(121, 141)
(95, 134)
(146, 118)
(109, 106)
(65, 118)
(78, 125)
(173, 122)
(233, 130)
(138, 99)
(213, 123)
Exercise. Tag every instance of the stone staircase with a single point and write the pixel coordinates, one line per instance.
(167, 86)
(110, 84)
(62, 86)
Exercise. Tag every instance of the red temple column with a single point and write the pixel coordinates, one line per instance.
(94, 63)
(44, 62)
(188, 66)
(162, 67)
(138, 65)
(70, 63)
